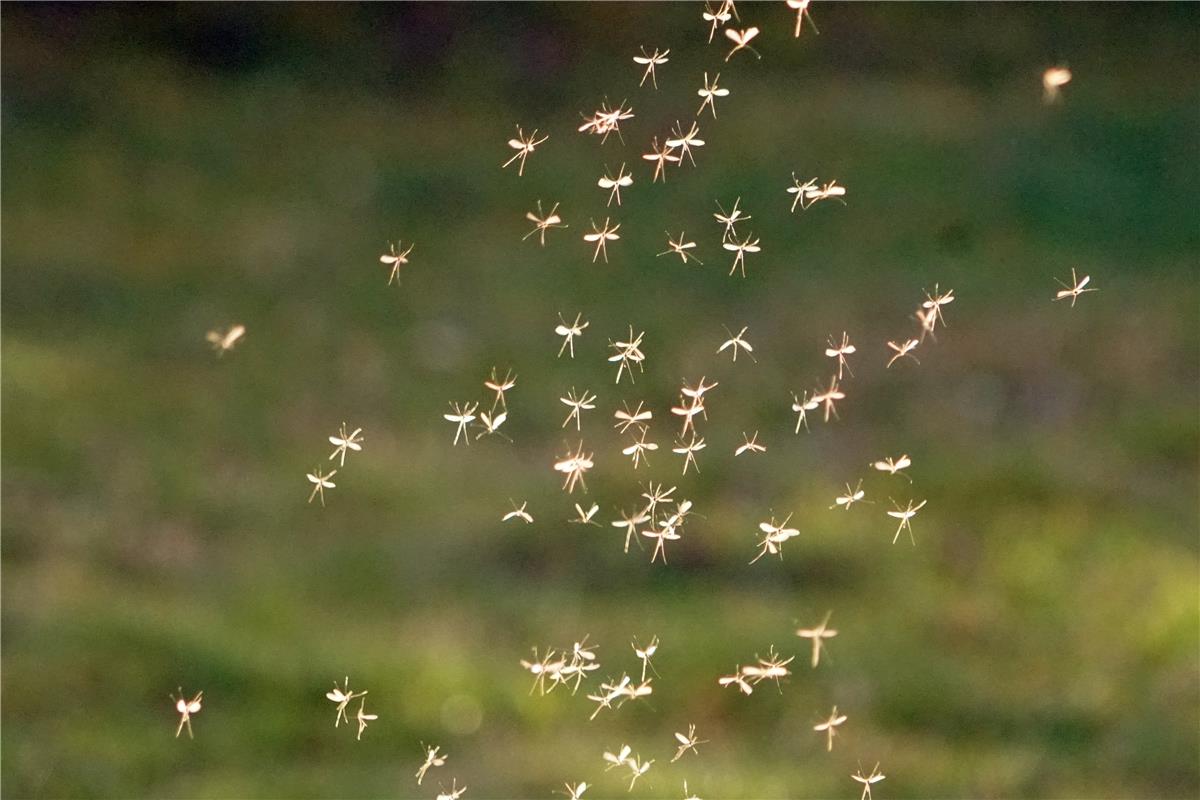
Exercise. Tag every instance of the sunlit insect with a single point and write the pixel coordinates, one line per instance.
(661, 535)
(631, 692)
(463, 416)
(737, 342)
(224, 342)
(680, 248)
(840, 351)
(455, 792)
(606, 121)
(731, 219)
(750, 445)
(581, 650)
(342, 697)
(830, 396)
(934, 302)
(608, 693)
(894, 466)
(801, 9)
(800, 189)
(851, 496)
(829, 191)
(688, 795)
(1053, 79)
(637, 451)
(660, 157)
(656, 495)
(687, 742)
(518, 513)
(577, 403)
(741, 40)
(697, 393)
(614, 185)
(716, 18)
(186, 708)
(650, 61)
(432, 759)
(773, 668)
(688, 412)
(866, 780)
(748, 245)
(542, 668)
(569, 332)
(737, 680)
(320, 484)
(524, 145)
(774, 535)
(576, 792)
(685, 141)
(1075, 289)
(638, 768)
(630, 523)
(628, 353)
(619, 758)
(363, 718)
(500, 387)
(395, 258)
(802, 407)
(543, 222)
(928, 319)
(818, 635)
(626, 418)
(829, 727)
(490, 422)
(903, 349)
(602, 236)
(710, 93)
(689, 451)
(905, 516)
(573, 467)
(645, 655)
(345, 441)
(586, 517)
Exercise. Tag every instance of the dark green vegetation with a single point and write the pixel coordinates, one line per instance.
(171, 169)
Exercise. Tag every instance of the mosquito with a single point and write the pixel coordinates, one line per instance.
(738, 343)
(585, 517)
(802, 407)
(395, 258)
(543, 222)
(660, 157)
(638, 450)
(626, 418)
(689, 450)
(800, 190)
(731, 219)
(540, 668)
(934, 302)
(830, 726)
(524, 146)
(432, 759)
(903, 349)
(575, 792)
(573, 467)
(688, 412)
(645, 654)
(818, 635)
(680, 248)
(748, 245)
(363, 718)
(618, 759)
(655, 495)
(1054, 79)
(893, 466)
(650, 61)
(710, 93)
(518, 513)
(1075, 289)
(840, 351)
(829, 397)
(685, 141)
(614, 185)
(345, 441)
(751, 445)
(224, 342)
(741, 39)
(774, 535)
(186, 708)
(569, 332)
(629, 352)
(602, 236)
(639, 769)
(905, 516)
(577, 403)
(687, 742)
(606, 120)
(770, 668)
(500, 387)
(463, 416)
(630, 524)
(454, 794)
(491, 422)
(342, 697)
(716, 17)
(851, 496)
(661, 536)
(320, 484)
(737, 680)
(866, 780)
(801, 9)
(700, 389)
(828, 191)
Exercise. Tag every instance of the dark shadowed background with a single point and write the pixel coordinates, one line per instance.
(169, 169)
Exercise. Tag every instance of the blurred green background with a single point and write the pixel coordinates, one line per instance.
(169, 169)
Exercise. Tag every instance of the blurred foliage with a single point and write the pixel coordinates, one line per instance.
(172, 168)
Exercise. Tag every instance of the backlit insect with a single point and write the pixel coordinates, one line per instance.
(645, 654)
(737, 680)
(688, 412)
(569, 332)
(716, 18)
(748, 245)
(573, 468)
(697, 393)
(463, 416)
(1075, 289)
(585, 517)
(773, 667)
(661, 535)
(800, 189)
(687, 742)
(818, 635)
(626, 418)
(710, 93)
(802, 407)
(840, 351)
(774, 535)
(903, 349)
(576, 792)
(224, 342)
(866, 780)
(801, 9)
(830, 396)
(689, 451)
(630, 524)
(342, 697)
(524, 145)
(637, 451)
(829, 191)
(619, 758)
(1054, 79)
(656, 495)
(395, 258)
(851, 496)
(829, 727)
(928, 319)
(638, 768)
(660, 157)
(905, 516)
(363, 718)
(606, 121)
(680, 248)
(186, 708)
(500, 387)
(751, 445)
(650, 61)
(542, 668)
(685, 141)
(731, 219)
(741, 40)
(577, 403)
(933, 304)
(893, 466)
(455, 792)
(602, 236)
(614, 185)
(737, 342)
(518, 513)
(543, 222)
(432, 759)
(628, 353)
(320, 484)
(345, 441)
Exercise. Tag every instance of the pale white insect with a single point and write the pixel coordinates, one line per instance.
(320, 484)
(500, 386)
(569, 332)
(840, 351)
(575, 792)
(432, 759)
(688, 412)
(614, 185)
(905, 516)
(851, 497)
(573, 467)
(830, 396)
(730, 220)
(774, 535)
(541, 669)
(928, 319)
(818, 635)
(828, 191)
(741, 40)
(363, 718)
(463, 416)
(697, 393)
(577, 404)
(894, 466)
(1053, 79)
(524, 145)
(773, 667)
(186, 708)
(224, 342)
(342, 697)
(716, 18)
(689, 451)
(638, 768)
(800, 189)
(680, 248)
(606, 120)
(619, 758)
(829, 727)
(490, 422)
(747, 245)
(802, 407)
(454, 793)
(866, 780)
(688, 795)
(1075, 289)
(934, 302)
(903, 349)
(626, 418)
(345, 441)
(602, 236)
(630, 523)
(585, 518)
(627, 353)
(518, 512)
(750, 445)
(737, 680)
(656, 495)
(543, 222)
(645, 654)
(685, 141)
(688, 741)
(661, 535)
(637, 451)
(660, 156)
(650, 61)
(801, 9)
(395, 258)
(710, 93)
(737, 342)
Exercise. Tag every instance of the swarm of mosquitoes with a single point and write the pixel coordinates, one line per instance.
(657, 516)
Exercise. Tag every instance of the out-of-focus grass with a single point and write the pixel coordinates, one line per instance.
(183, 167)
